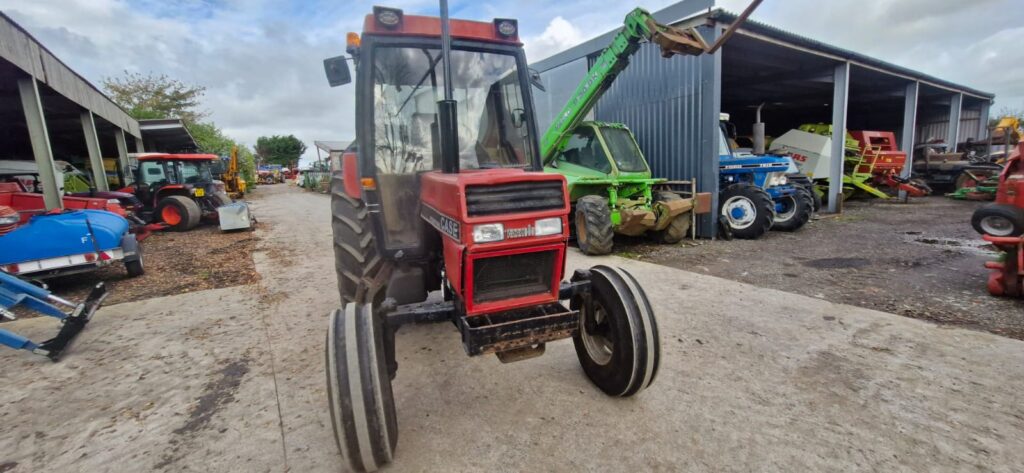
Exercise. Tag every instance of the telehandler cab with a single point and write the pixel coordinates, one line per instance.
(446, 192)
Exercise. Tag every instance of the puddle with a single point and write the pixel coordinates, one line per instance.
(966, 245)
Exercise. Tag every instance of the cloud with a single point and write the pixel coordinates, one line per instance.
(558, 36)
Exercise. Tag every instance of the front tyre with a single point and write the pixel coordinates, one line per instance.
(593, 221)
(797, 208)
(359, 389)
(748, 210)
(617, 342)
(1001, 220)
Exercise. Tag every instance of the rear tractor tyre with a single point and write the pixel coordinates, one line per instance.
(593, 221)
(356, 260)
(617, 342)
(178, 212)
(796, 213)
(748, 210)
(359, 392)
(1001, 220)
(676, 230)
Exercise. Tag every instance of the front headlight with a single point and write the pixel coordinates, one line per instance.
(548, 226)
(776, 179)
(488, 232)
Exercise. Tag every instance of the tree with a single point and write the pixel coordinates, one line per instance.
(210, 138)
(283, 150)
(155, 96)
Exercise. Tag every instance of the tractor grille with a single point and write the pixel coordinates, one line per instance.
(514, 198)
(505, 277)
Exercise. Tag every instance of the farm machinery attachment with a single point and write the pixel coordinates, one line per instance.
(872, 160)
(16, 292)
(1002, 224)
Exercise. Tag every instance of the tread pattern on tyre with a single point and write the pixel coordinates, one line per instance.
(676, 230)
(190, 211)
(761, 200)
(804, 206)
(598, 220)
(356, 259)
(645, 346)
(1012, 213)
(359, 389)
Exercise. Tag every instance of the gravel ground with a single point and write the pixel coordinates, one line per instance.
(920, 260)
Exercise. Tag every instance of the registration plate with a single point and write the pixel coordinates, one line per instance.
(200, 192)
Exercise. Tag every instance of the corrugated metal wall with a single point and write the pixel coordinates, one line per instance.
(559, 84)
(937, 126)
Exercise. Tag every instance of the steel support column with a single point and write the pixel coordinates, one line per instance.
(711, 107)
(840, 97)
(139, 148)
(983, 122)
(909, 127)
(32, 104)
(956, 102)
(122, 157)
(92, 144)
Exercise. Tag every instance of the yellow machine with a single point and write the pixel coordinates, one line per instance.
(234, 185)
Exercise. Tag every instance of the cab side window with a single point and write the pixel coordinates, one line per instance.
(584, 149)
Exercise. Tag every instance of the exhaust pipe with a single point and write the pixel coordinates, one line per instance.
(448, 119)
(758, 132)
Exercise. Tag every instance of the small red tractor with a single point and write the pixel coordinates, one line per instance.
(1002, 224)
(446, 192)
(178, 190)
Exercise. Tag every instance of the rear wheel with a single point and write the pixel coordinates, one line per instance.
(359, 392)
(617, 342)
(676, 230)
(593, 220)
(180, 213)
(796, 211)
(356, 259)
(1001, 220)
(748, 210)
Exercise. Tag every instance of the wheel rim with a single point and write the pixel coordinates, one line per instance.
(595, 330)
(581, 227)
(789, 209)
(996, 226)
(170, 215)
(739, 211)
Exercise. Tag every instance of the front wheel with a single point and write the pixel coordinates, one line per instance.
(748, 210)
(178, 212)
(359, 388)
(593, 220)
(1001, 220)
(617, 342)
(796, 211)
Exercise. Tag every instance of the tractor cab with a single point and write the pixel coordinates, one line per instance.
(179, 189)
(602, 150)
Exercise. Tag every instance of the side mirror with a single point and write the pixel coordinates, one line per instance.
(337, 71)
(536, 81)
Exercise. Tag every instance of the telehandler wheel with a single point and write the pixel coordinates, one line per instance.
(359, 389)
(1001, 220)
(617, 342)
(676, 230)
(356, 260)
(797, 212)
(179, 213)
(748, 210)
(594, 225)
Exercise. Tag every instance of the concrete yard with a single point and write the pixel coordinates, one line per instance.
(752, 379)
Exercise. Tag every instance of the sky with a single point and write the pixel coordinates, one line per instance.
(261, 60)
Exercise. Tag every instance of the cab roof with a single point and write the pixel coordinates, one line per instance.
(177, 157)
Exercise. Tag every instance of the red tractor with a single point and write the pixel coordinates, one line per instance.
(1002, 223)
(179, 190)
(450, 195)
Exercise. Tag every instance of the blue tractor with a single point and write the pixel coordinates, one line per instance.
(757, 193)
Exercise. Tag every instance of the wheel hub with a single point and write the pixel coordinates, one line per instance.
(595, 328)
(996, 226)
(739, 211)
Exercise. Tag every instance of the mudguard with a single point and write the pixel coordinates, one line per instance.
(69, 233)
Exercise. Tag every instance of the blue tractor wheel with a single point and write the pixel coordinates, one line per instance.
(748, 210)
(793, 211)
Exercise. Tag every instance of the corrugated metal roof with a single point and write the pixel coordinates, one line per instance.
(724, 16)
(20, 48)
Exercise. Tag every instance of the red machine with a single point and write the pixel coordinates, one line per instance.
(178, 190)
(1002, 223)
(450, 195)
(13, 195)
(881, 158)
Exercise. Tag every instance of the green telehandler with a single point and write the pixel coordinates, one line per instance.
(610, 183)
